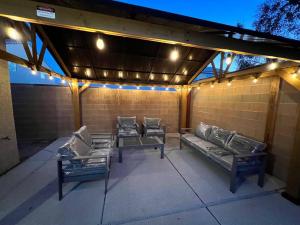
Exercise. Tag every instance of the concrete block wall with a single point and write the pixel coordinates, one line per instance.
(101, 106)
(42, 112)
(242, 107)
(285, 129)
(9, 155)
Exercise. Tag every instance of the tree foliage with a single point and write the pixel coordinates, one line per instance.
(277, 17)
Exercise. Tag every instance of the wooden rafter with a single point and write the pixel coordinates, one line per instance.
(132, 27)
(203, 66)
(33, 44)
(214, 70)
(84, 87)
(51, 47)
(42, 54)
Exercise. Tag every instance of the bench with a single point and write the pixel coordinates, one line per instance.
(239, 155)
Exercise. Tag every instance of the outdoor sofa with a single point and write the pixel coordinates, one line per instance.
(78, 162)
(153, 127)
(237, 154)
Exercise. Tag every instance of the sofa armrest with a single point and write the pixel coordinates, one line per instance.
(185, 130)
(250, 155)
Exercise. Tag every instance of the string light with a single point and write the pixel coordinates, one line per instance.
(294, 75)
(63, 81)
(120, 74)
(198, 88)
(137, 76)
(88, 72)
(191, 57)
(174, 55)
(120, 87)
(152, 88)
(272, 66)
(229, 83)
(12, 33)
(33, 72)
(105, 74)
(100, 44)
(151, 77)
(51, 77)
(166, 77)
(185, 72)
(255, 80)
(167, 88)
(138, 87)
(228, 59)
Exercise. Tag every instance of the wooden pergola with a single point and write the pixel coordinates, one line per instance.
(138, 44)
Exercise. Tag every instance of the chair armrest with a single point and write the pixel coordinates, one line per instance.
(184, 130)
(250, 155)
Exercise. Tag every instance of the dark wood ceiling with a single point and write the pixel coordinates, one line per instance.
(131, 56)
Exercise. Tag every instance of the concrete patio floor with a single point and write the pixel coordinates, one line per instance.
(183, 188)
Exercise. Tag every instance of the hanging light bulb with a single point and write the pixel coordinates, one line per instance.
(167, 89)
(120, 74)
(229, 83)
(12, 33)
(120, 87)
(174, 55)
(51, 77)
(100, 44)
(137, 76)
(152, 88)
(104, 86)
(166, 77)
(105, 73)
(88, 72)
(138, 87)
(151, 76)
(33, 71)
(228, 59)
(63, 81)
(273, 66)
(255, 80)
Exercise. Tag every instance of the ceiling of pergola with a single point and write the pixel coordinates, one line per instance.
(138, 61)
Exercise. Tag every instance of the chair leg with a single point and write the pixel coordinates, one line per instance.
(59, 179)
(106, 181)
(261, 175)
(233, 176)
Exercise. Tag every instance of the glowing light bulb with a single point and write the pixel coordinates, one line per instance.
(255, 80)
(174, 55)
(120, 74)
(104, 85)
(12, 33)
(166, 77)
(105, 74)
(167, 89)
(100, 44)
(191, 57)
(151, 77)
(152, 88)
(51, 77)
(229, 83)
(137, 87)
(273, 66)
(88, 72)
(63, 81)
(120, 87)
(33, 72)
(137, 76)
(228, 59)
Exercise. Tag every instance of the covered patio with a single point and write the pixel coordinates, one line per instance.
(117, 60)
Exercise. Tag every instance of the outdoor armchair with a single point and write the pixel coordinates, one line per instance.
(153, 127)
(127, 127)
(95, 140)
(77, 162)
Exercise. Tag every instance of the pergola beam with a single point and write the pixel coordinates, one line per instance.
(46, 39)
(204, 65)
(96, 22)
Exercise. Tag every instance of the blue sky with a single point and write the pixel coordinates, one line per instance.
(227, 12)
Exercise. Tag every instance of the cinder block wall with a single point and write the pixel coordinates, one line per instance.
(100, 107)
(241, 107)
(285, 129)
(42, 112)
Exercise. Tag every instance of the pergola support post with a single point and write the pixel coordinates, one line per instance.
(76, 103)
(184, 107)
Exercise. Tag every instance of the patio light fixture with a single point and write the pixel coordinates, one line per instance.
(12, 33)
(88, 72)
(100, 44)
(273, 66)
(174, 55)
(33, 71)
(228, 59)
(165, 77)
